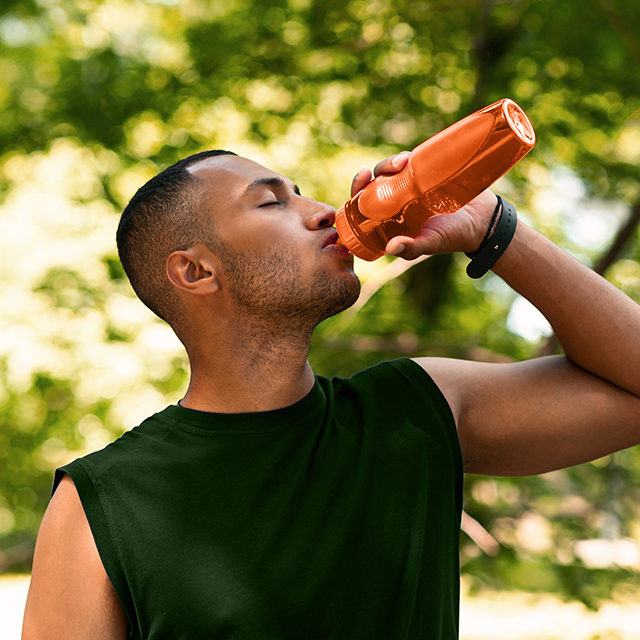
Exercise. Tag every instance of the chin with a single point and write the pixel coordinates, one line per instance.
(342, 296)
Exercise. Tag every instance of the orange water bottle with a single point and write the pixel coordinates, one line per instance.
(441, 176)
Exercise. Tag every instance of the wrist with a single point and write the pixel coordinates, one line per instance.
(496, 240)
(487, 228)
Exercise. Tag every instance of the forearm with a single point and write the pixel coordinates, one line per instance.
(597, 325)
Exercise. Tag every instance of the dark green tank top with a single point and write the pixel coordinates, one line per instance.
(335, 518)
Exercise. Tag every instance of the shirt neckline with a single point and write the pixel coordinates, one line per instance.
(259, 420)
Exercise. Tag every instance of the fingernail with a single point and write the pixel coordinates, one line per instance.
(357, 174)
(399, 249)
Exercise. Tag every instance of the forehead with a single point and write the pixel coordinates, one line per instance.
(228, 178)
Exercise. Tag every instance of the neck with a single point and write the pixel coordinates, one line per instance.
(256, 369)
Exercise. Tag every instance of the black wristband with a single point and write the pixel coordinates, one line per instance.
(487, 256)
(487, 235)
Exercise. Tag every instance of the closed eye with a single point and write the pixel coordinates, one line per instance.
(269, 204)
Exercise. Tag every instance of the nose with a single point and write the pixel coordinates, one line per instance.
(322, 215)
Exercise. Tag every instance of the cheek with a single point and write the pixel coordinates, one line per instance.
(282, 262)
(271, 243)
(262, 232)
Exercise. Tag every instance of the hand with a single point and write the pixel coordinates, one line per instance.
(463, 230)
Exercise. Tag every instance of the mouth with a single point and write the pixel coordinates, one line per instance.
(331, 239)
(332, 244)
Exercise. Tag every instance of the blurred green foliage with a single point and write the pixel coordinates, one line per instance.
(98, 95)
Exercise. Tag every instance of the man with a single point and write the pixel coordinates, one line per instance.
(272, 504)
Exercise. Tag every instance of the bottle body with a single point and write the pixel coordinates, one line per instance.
(442, 175)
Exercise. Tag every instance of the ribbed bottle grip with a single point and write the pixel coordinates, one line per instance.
(387, 195)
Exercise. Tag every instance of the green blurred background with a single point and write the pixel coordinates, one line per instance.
(98, 96)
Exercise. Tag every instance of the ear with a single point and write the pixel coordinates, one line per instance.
(193, 270)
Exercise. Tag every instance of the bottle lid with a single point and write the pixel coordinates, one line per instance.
(520, 124)
(350, 240)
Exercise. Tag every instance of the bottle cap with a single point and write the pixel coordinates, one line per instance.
(349, 239)
(520, 124)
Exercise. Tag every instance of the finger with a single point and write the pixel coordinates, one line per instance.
(392, 164)
(433, 239)
(403, 247)
(360, 181)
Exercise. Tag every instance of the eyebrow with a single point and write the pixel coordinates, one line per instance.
(272, 181)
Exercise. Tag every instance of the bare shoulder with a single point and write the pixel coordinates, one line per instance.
(70, 595)
(534, 416)
(471, 387)
(451, 377)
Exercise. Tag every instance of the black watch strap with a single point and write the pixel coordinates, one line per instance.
(497, 245)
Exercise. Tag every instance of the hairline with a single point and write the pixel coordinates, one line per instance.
(275, 180)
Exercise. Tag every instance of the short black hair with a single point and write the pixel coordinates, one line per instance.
(163, 217)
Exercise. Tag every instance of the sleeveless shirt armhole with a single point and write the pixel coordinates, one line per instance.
(98, 522)
(426, 386)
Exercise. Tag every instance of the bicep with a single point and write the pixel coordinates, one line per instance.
(535, 416)
(70, 595)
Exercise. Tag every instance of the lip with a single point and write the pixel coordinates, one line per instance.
(331, 239)
(330, 245)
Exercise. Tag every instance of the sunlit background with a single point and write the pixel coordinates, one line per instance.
(97, 96)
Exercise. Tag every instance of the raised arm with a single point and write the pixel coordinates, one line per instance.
(70, 595)
(554, 412)
(535, 416)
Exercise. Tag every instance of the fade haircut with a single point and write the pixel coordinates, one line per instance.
(162, 217)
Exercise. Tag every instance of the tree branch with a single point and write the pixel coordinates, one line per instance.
(479, 535)
(15, 555)
(408, 345)
(617, 22)
(624, 234)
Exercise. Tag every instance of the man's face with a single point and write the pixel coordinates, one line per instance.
(277, 247)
